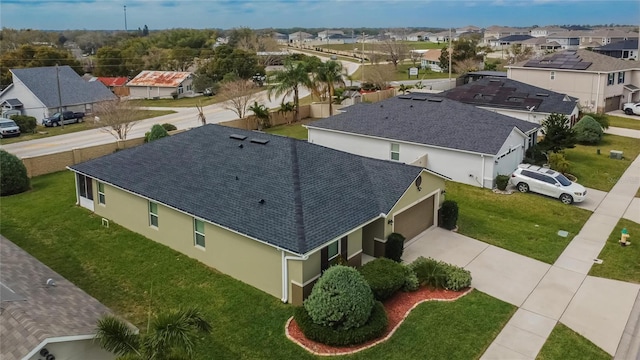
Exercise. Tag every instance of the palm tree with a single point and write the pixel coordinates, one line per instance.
(170, 336)
(288, 81)
(329, 74)
(285, 108)
(404, 88)
(261, 113)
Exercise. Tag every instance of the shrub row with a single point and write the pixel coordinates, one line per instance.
(440, 274)
(27, 124)
(384, 276)
(373, 328)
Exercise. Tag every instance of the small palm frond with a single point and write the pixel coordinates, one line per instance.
(117, 337)
(175, 332)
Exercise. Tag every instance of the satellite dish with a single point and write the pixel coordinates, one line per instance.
(419, 181)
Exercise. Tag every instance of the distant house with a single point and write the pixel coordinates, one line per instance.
(568, 40)
(465, 143)
(161, 84)
(44, 316)
(602, 83)
(602, 37)
(510, 39)
(468, 29)
(271, 211)
(418, 36)
(34, 91)
(325, 34)
(516, 99)
(117, 85)
(541, 44)
(300, 36)
(626, 50)
(280, 37)
(546, 31)
(431, 60)
(497, 32)
(440, 37)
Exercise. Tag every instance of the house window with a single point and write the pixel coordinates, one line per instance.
(180, 89)
(395, 152)
(153, 214)
(189, 88)
(101, 197)
(85, 186)
(198, 226)
(552, 75)
(621, 77)
(333, 250)
(610, 78)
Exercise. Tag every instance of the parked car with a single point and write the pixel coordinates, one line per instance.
(8, 128)
(548, 182)
(66, 117)
(631, 108)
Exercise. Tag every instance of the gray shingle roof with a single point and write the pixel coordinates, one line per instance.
(36, 311)
(598, 62)
(73, 89)
(445, 123)
(311, 194)
(498, 91)
(631, 44)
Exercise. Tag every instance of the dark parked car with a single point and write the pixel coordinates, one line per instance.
(67, 117)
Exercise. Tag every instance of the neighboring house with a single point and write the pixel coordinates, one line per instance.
(515, 99)
(117, 85)
(568, 40)
(541, 45)
(44, 313)
(280, 37)
(442, 36)
(510, 39)
(465, 143)
(36, 90)
(476, 75)
(326, 34)
(161, 84)
(468, 29)
(497, 32)
(268, 210)
(300, 36)
(602, 83)
(626, 50)
(604, 36)
(546, 31)
(418, 36)
(431, 59)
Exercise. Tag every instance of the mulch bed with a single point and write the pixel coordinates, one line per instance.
(398, 308)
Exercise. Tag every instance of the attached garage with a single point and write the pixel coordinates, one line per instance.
(416, 219)
(612, 103)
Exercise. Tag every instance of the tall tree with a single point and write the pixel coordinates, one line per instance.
(558, 134)
(116, 117)
(170, 335)
(288, 82)
(237, 95)
(329, 74)
(396, 51)
(109, 62)
(262, 115)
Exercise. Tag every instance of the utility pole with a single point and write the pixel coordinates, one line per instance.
(362, 71)
(59, 96)
(125, 18)
(450, 51)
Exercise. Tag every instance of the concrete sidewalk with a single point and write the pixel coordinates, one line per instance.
(596, 308)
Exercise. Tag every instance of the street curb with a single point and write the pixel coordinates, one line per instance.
(629, 346)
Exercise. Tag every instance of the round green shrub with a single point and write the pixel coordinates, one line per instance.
(157, 132)
(449, 214)
(169, 127)
(502, 181)
(384, 276)
(13, 175)
(411, 282)
(588, 131)
(394, 247)
(341, 299)
(372, 329)
(457, 277)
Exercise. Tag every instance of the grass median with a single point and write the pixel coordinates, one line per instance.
(132, 274)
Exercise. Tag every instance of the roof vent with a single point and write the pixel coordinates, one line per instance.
(240, 146)
(259, 141)
(237, 137)
(261, 202)
(51, 282)
(411, 105)
(419, 98)
(542, 94)
(404, 97)
(435, 99)
(381, 105)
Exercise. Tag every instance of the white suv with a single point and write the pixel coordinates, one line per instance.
(547, 182)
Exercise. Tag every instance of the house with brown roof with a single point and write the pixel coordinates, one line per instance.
(601, 83)
(431, 60)
(161, 84)
(44, 316)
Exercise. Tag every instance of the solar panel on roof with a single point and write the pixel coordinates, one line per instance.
(582, 66)
(567, 66)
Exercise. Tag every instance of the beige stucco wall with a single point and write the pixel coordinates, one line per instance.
(431, 184)
(245, 259)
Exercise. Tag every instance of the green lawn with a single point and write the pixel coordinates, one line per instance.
(185, 101)
(401, 73)
(129, 273)
(623, 122)
(416, 45)
(566, 344)
(42, 132)
(599, 171)
(296, 131)
(620, 263)
(523, 223)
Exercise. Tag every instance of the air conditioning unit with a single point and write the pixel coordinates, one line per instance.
(615, 154)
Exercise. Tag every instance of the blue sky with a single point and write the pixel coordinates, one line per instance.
(162, 14)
